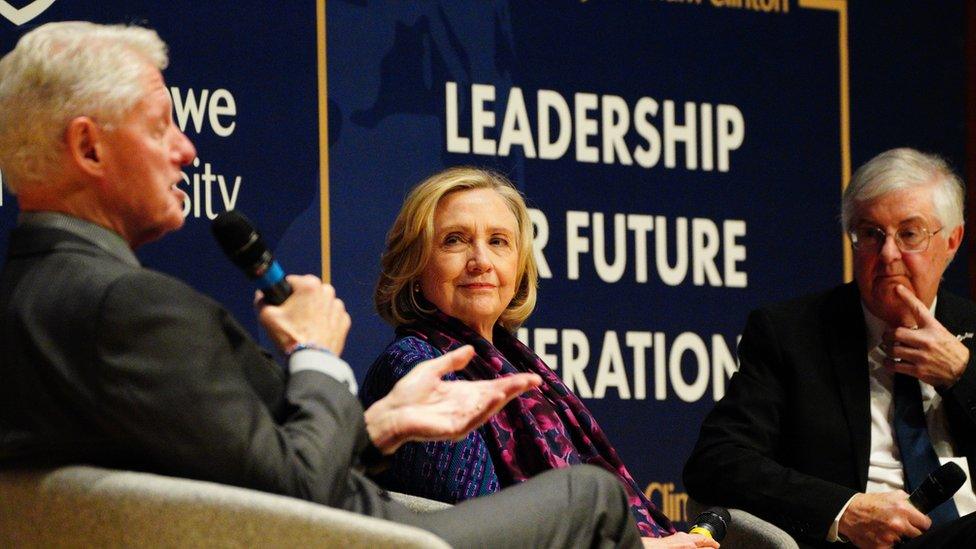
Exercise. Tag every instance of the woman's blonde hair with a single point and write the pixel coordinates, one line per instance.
(409, 243)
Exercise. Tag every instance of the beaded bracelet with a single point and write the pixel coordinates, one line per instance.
(305, 346)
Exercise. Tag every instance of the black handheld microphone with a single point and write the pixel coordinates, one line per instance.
(712, 523)
(245, 247)
(939, 486)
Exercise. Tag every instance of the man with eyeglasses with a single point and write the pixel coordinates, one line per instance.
(846, 400)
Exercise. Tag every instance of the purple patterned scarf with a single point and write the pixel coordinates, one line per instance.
(544, 428)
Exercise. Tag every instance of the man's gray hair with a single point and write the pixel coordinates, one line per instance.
(904, 169)
(60, 71)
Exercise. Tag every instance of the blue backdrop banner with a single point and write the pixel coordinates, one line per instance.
(683, 160)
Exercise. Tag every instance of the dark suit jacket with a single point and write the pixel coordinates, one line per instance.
(107, 363)
(790, 440)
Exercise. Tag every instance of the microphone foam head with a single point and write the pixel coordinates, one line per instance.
(939, 486)
(716, 520)
(239, 239)
(949, 477)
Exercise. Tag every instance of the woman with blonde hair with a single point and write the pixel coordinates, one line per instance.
(458, 269)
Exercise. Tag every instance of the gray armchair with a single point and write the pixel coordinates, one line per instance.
(82, 506)
(748, 531)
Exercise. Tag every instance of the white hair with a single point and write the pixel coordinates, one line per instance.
(60, 71)
(906, 168)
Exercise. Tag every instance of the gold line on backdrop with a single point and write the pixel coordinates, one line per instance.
(840, 6)
(323, 139)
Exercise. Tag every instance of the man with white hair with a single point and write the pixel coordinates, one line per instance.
(105, 362)
(846, 400)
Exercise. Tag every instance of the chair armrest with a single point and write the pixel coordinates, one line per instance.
(747, 531)
(419, 504)
(94, 507)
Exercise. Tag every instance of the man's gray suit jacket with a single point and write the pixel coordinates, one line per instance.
(109, 363)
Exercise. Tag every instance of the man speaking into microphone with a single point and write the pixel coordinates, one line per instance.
(848, 400)
(105, 362)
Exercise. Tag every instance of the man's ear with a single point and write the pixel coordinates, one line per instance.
(84, 143)
(955, 240)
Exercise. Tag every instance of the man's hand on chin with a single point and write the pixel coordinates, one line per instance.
(924, 348)
(881, 520)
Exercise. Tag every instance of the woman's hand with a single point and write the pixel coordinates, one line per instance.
(680, 540)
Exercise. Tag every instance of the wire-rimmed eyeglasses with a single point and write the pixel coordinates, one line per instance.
(911, 238)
